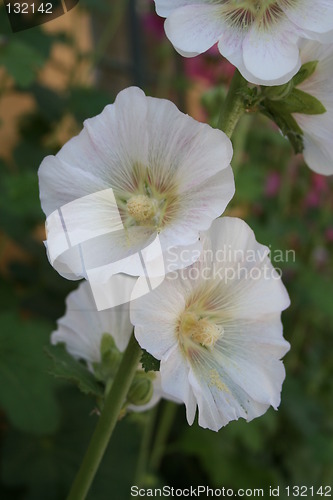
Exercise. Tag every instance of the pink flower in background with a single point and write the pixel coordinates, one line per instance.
(329, 234)
(272, 185)
(319, 188)
(153, 25)
(320, 183)
(209, 67)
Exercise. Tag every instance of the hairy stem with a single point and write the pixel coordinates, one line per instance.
(234, 105)
(107, 421)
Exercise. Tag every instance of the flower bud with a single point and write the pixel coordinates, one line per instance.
(141, 390)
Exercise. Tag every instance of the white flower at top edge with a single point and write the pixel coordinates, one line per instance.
(216, 328)
(260, 37)
(139, 170)
(82, 328)
(318, 129)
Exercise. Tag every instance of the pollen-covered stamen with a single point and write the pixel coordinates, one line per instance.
(141, 207)
(200, 330)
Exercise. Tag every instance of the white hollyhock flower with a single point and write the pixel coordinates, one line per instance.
(317, 129)
(216, 328)
(82, 329)
(260, 37)
(140, 170)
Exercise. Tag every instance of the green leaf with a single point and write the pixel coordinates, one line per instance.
(84, 102)
(26, 389)
(21, 196)
(301, 102)
(50, 103)
(317, 292)
(149, 363)
(305, 72)
(21, 61)
(249, 184)
(70, 369)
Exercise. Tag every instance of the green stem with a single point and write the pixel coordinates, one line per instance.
(165, 424)
(141, 470)
(107, 421)
(234, 105)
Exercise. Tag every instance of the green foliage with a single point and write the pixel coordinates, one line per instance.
(149, 363)
(85, 102)
(27, 392)
(24, 55)
(67, 368)
(21, 61)
(286, 123)
(305, 72)
(106, 369)
(301, 102)
(20, 197)
(45, 424)
(281, 101)
(44, 467)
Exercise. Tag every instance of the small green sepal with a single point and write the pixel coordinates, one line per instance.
(110, 359)
(303, 103)
(305, 72)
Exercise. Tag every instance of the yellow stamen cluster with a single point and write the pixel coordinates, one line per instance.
(200, 330)
(141, 208)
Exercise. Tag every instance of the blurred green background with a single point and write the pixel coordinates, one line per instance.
(52, 77)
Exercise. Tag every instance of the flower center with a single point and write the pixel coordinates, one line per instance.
(243, 13)
(141, 207)
(200, 330)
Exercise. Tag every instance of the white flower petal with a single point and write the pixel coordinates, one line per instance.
(271, 55)
(83, 326)
(192, 152)
(316, 17)
(200, 206)
(193, 29)
(251, 286)
(82, 329)
(110, 250)
(317, 143)
(317, 129)
(157, 339)
(59, 186)
(254, 365)
(264, 45)
(174, 381)
(240, 373)
(165, 7)
(138, 149)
